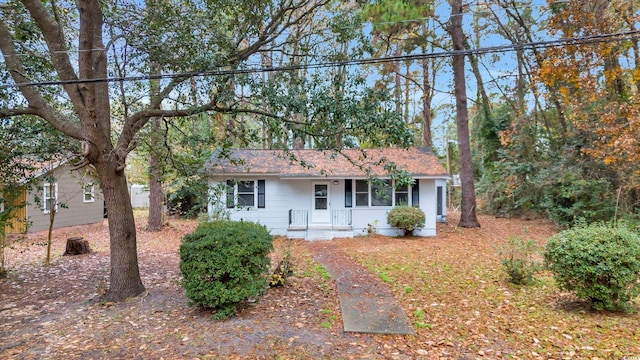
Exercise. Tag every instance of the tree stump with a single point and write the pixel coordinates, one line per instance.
(77, 246)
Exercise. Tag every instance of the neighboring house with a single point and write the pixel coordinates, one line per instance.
(316, 194)
(74, 194)
(139, 196)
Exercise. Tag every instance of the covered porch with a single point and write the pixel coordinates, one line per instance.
(338, 224)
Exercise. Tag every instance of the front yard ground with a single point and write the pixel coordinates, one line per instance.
(452, 287)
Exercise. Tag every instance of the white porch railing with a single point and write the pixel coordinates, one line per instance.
(341, 218)
(298, 218)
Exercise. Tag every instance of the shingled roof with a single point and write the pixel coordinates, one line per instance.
(418, 162)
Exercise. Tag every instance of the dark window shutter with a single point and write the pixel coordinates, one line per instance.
(439, 200)
(415, 194)
(230, 194)
(261, 193)
(348, 193)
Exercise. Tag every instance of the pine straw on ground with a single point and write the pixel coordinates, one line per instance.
(451, 286)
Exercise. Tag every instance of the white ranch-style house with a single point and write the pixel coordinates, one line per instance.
(318, 195)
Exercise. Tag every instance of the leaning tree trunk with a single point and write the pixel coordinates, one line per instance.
(468, 216)
(125, 275)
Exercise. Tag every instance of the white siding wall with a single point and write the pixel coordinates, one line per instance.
(283, 195)
(280, 196)
(376, 216)
(429, 206)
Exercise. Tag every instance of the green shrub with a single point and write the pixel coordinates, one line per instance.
(520, 263)
(406, 218)
(600, 263)
(224, 264)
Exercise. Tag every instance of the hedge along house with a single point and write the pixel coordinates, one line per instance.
(317, 195)
(75, 195)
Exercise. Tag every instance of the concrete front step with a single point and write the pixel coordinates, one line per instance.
(313, 234)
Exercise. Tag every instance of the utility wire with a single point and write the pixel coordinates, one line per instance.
(576, 41)
(322, 30)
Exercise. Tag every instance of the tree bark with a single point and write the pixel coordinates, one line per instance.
(154, 222)
(92, 107)
(468, 217)
(89, 94)
(124, 279)
(427, 97)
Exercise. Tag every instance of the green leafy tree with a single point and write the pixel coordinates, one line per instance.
(227, 33)
(402, 27)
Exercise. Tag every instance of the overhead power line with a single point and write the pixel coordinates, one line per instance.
(575, 41)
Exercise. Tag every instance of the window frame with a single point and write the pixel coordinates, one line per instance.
(357, 192)
(405, 191)
(378, 187)
(246, 184)
(409, 193)
(91, 193)
(233, 193)
(45, 199)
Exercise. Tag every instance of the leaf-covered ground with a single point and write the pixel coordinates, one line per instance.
(452, 287)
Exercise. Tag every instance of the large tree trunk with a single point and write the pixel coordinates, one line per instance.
(154, 222)
(125, 279)
(468, 216)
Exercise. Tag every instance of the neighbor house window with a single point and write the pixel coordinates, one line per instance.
(89, 193)
(245, 193)
(49, 196)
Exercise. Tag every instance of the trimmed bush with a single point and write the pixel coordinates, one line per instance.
(520, 263)
(600, 263)
(224, 264)
(406, 218)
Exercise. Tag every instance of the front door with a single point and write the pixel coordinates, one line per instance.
(320, 211)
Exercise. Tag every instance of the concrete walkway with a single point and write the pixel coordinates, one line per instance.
(367, 304)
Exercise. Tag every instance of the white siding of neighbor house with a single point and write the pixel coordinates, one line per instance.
(70, 193)
(139, 196)
(283, 195)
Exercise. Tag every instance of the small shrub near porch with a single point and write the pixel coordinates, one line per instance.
(224, 264)
(406, 218)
